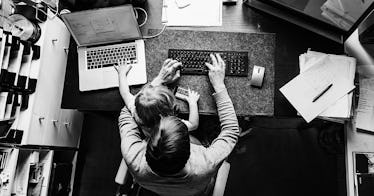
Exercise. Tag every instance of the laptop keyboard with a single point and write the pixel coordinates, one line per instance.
(106, 57)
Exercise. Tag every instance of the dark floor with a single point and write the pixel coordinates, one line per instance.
(280, 158)
(276, 158)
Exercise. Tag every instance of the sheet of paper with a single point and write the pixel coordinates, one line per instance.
(342, 107)
(301, 91)
(365, 108)
(197, 13)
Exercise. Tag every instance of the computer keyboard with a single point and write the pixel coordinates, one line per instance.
(106, 57)
(193, 61)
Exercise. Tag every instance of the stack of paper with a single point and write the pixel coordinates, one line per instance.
(193, 13)
(342, 108)
(318, 71)
(334, 11)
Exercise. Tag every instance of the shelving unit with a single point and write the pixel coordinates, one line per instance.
(38, 139)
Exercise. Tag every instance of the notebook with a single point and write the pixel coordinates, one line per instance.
(103, 37)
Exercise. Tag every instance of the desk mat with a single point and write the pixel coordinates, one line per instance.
(247, 100)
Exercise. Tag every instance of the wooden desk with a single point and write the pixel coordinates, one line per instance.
(291, 41)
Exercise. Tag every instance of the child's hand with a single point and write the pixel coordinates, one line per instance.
(193, 96)
(122, 68)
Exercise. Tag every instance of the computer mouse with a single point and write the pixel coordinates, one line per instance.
(257, 76)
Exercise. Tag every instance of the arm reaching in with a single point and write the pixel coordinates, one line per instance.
(123, 69)
(222, 146)
(169, 73)
(193, 117)
(217, 72)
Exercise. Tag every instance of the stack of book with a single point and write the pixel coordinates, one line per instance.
(344, 13)
(334, 11)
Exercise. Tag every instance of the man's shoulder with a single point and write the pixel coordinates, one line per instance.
(200, 160)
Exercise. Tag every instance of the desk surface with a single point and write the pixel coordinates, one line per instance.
(291, 41)
(247, 100)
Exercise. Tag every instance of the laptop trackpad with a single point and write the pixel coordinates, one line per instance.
(110, 78)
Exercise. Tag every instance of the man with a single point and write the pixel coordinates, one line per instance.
(199, 165)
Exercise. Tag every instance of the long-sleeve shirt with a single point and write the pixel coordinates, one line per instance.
(202, 165)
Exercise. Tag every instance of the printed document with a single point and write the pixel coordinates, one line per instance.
(365, 108)
(197, 13)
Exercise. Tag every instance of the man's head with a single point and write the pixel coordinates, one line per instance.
(169, 147)
(151, 103)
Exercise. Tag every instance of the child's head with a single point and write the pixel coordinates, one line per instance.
(169, 147)
(151, 103)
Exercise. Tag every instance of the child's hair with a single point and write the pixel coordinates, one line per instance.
(151, 103)
(168, 149)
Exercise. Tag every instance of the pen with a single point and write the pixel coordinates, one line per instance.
(323, 92)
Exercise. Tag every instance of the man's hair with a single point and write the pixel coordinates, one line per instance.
(152, 102)
(168, 149)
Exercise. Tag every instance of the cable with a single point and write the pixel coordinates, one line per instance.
(145, 21)
(50, 6)
(159, 33)
(55, 10)
(145, 15)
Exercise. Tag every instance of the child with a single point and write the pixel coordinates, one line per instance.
(154, 102)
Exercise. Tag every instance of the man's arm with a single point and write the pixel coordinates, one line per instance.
(131, 142)
(169, 73)
(222, 146)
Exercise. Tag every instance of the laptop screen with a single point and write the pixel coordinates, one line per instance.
(102, 26)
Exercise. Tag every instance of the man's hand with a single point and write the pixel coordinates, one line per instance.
(169, 73)
(217, 72)
(122, 68)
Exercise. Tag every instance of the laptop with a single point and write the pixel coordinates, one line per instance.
(104, 36)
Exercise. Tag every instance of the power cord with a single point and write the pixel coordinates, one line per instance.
(156, 35)
(145, 21)
(145, 15)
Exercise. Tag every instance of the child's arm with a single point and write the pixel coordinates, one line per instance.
(123, 69)
(193, 118)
